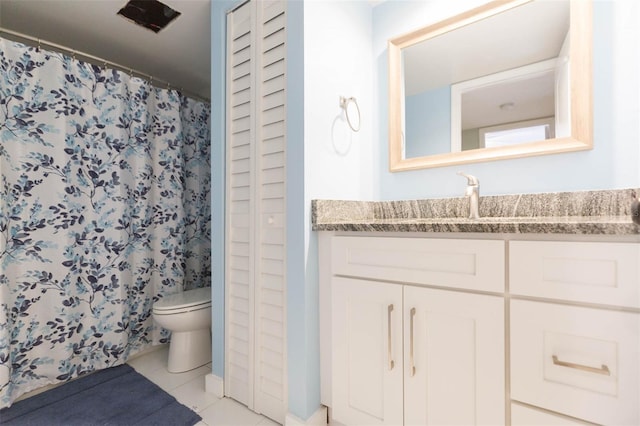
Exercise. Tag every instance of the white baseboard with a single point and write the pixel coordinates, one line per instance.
(214, 384)
(319, 418)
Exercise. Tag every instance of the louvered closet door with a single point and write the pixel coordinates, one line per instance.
(270, 386)
(240, 205)
(256, 318)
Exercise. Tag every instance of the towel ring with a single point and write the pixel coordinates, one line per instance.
(344, 104)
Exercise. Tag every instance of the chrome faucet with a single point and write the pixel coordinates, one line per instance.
(473, 194)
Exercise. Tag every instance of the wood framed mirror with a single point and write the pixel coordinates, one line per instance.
(486, 60)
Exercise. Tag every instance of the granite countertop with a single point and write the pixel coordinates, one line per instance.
(585, 212)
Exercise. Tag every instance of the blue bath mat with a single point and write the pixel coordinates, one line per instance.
(117, 396)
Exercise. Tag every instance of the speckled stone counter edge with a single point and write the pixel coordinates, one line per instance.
(583, 212)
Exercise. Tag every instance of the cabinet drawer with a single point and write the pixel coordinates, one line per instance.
(582, 362)
(468, 264)
(603, 273)
(525, 416)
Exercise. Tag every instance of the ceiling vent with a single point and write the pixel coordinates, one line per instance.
(150, 14)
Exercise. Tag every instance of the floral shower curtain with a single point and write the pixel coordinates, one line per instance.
(104, 209)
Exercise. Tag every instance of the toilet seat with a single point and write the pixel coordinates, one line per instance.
(190, 300)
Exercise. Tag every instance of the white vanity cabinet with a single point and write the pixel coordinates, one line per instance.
(514, 330)
(399, 352)
(575, 329)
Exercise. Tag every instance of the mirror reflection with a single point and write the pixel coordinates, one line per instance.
(498, 81)
(494, 80)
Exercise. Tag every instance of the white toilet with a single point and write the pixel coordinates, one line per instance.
(188, 316)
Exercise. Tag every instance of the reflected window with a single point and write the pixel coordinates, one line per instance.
(516, 133)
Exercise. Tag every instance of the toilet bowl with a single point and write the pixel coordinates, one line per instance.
(188, 316)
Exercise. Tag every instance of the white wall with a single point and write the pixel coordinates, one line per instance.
(337, 51)
(338, 163)
(612, 164)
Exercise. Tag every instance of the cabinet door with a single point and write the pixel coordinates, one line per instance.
(367, 352)
(453, 358)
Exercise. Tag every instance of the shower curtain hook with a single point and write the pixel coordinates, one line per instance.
(39, 45)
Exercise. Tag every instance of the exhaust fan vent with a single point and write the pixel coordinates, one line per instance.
(150, 14)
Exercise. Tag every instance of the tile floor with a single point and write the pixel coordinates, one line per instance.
(188, 388)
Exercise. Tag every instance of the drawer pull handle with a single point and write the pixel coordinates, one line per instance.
(412, 363)
(602, 370)
(389, 310)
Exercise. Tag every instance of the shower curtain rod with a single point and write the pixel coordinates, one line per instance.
(16, 36)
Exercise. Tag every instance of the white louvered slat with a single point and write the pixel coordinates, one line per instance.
(273, 251)
(241, 56)
(241, 80)
(239, 207)
(241, 111)
(273, 175)
(238, 249)
(272, 115)
(274, 24)
(272, 282)
(273, 85)
(271, 9)
(240, 97)
(240, 235)
(272, 206)
(240, 179)
(273, 70)
(240, 263)
(255, 372)
(272, 146)
(240, 153)
(241, 138)
(273, 190)
(274, 55)
(271, 297)
(273, 40)
(271, 161)
(272, 359)
(239, 48)
(274, 100)
(240, 124)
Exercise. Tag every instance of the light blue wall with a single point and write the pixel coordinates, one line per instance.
(302, 315)
(612, 164)
(428, 122)
(219, 10)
